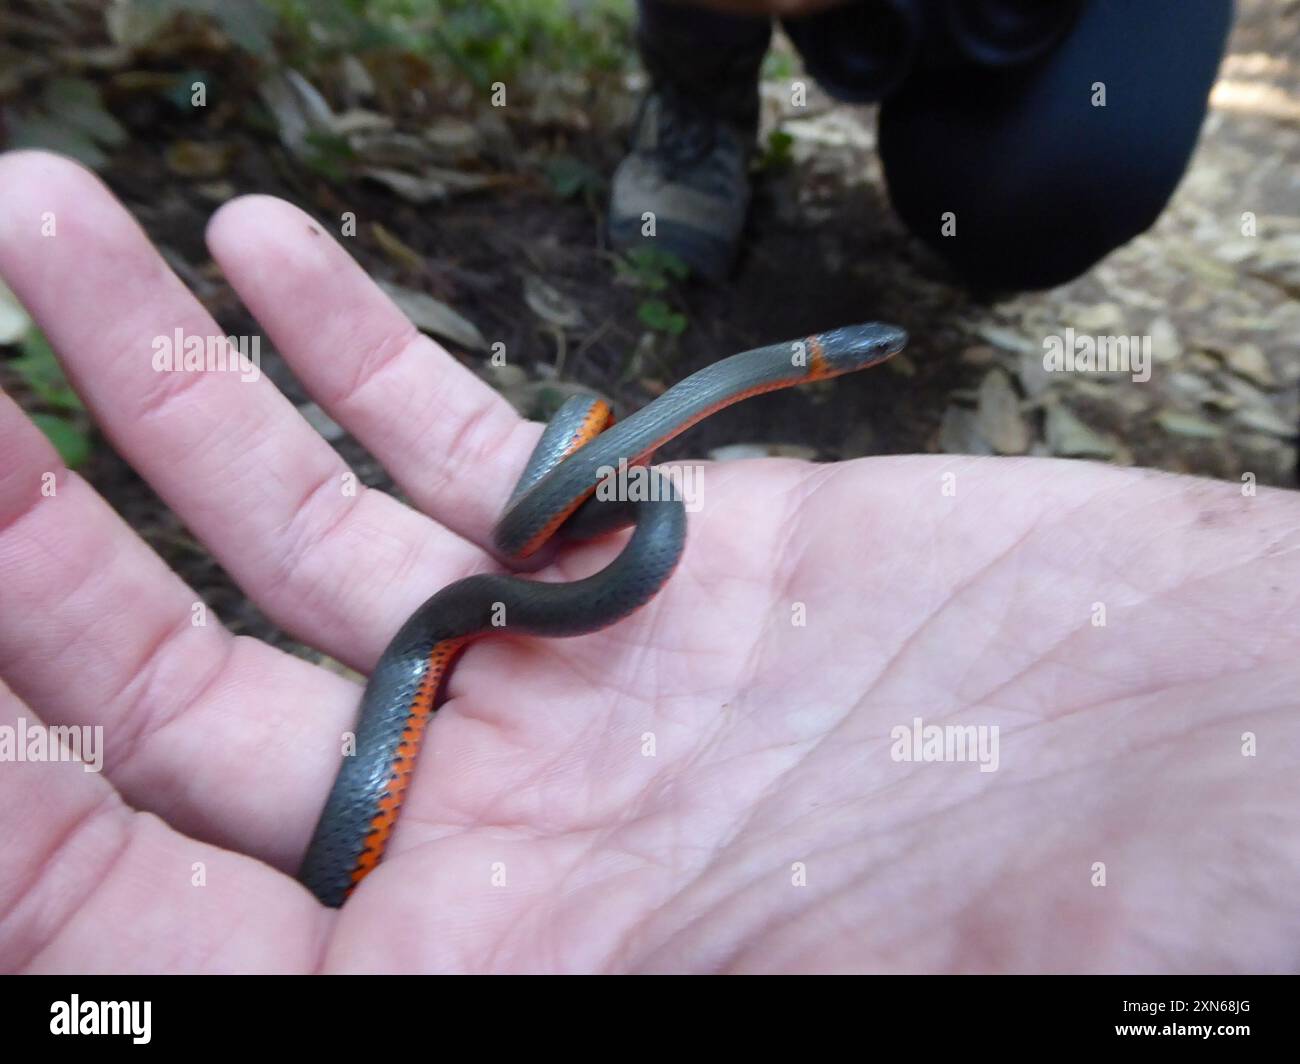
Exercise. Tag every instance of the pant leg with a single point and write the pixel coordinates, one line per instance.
(1043, 183)
(711, 58)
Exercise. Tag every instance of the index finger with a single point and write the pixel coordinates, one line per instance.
(451, 442)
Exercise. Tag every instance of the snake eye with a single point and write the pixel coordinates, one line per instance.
(892, 339)
(858, 346)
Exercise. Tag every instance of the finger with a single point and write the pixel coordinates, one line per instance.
(232, 457)
(87, 885)
(451, 442)
(228, 739)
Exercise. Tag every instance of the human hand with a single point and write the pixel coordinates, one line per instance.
(537, 834)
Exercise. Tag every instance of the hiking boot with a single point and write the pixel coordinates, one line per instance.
(684, 187)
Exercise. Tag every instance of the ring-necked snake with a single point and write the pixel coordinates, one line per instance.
(553, 494)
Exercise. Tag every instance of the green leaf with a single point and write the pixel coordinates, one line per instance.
(777, 154)
(672, 265)
(570, 176)
(76, 103)
(652, 268)
(71, 120)
(42, 373)
(657, 314)
(246, 22)
(41, 131)
(778, 66)
(329, 155)
(72, 444)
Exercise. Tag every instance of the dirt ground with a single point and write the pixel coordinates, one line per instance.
(1223, 309)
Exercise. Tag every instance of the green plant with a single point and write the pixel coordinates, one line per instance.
(654, 270)
(651, 268)
(329, 155)
(776, 154)
(571, 177)
(66, 425)
(493, 40)
(486, 40)
(658, 314)
(778, 65)
(248, 23)
(70, 119)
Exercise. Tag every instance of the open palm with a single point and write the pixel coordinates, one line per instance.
(707, 785)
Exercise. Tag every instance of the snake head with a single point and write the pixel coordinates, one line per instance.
(854, 347)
